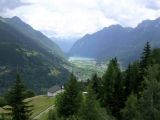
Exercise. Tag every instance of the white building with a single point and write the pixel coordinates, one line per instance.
(54, 90)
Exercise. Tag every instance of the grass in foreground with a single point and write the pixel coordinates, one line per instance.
(40, 104)
(44, 117)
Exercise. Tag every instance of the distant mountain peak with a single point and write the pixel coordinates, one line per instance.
(13, 19)
(87, 35)
(149, 23)
(16, 18)
(158, 19)
(117, 26)
(144, 23)
(1, 19)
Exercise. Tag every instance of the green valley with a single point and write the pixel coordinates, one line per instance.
(83, 68)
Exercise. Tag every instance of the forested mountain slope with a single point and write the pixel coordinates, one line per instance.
(39, 67)
(42, 40)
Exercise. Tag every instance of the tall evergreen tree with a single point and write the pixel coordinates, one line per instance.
(144, 64)
(91, 110)
(69, 102)
(21, 110)
(108, 85)
(150, 100)
(96, 85)
(131, 110)
(131, 78)
(113, 89)
(155, 56)
(145, 58)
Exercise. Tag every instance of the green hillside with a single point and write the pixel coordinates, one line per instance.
(37, 36)
(39, 68)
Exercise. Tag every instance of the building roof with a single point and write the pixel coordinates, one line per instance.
(4, 111)
(1, 110)
(7, 107)
(54, 89)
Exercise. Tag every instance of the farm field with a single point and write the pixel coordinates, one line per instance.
(83, 68)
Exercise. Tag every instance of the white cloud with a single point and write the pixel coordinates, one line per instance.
(74, 18)
(7, 4)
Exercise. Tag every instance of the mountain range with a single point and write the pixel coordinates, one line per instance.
(40, 61)
(24, 50)
(125, 43)
(64, 43)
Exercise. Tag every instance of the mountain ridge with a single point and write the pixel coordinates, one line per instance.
(39, 68)
(118, 41)
(27, 30)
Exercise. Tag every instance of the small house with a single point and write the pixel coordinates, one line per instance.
(54, 90)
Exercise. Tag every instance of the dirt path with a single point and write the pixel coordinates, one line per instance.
(46, 111)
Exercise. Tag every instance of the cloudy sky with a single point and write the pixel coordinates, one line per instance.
(75, 18)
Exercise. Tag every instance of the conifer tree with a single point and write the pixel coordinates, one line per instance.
(155, 56)
(108, 85)
(91, 109)
(145, 58)
(144, 64)
(69, 102)
(131, 78)
(96, 85)
(21, 110)
(150, 100)
(113, 89)
(131, 110)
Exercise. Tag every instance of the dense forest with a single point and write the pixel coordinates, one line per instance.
(131, 94)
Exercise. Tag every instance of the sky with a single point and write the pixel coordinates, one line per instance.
(75, 18)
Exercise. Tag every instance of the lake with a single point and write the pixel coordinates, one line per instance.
(73, 58)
